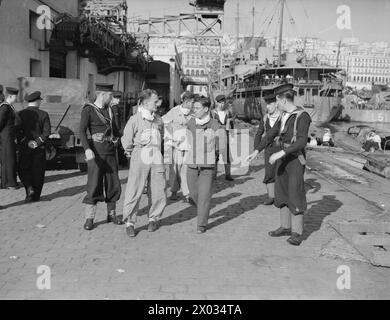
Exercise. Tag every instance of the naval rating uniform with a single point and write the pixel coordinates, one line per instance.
(103, 180)
(8, 147)
(292, 133)
(265, 126)
(32, 124)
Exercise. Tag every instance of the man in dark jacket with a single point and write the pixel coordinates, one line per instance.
(7, 135)
(32, 130)
(100, 152)
(225, 119)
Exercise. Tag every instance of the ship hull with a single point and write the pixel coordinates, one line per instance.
(369, 116)
(321, 109)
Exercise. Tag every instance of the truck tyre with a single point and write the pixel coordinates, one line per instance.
(83, 167)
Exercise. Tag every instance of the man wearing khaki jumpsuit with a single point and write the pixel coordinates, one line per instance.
(142, 142)
(175, 122)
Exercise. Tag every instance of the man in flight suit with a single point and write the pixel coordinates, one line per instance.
(176, 121)
(142, 142)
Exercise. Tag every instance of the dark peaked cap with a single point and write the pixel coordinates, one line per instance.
(220, 98)
(104, 87)
(13, 91)
(269, 98)
(34, 96)
(283, 88)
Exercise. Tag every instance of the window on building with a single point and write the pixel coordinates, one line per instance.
(35, 68)
(197, 72)
(35, 33)
(57, 64)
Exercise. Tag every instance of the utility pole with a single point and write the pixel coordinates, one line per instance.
(238, 23)
(280, 33)
(253, 19)
(338, 54)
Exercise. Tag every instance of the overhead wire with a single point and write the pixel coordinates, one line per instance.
(270, 16)
(271, 19)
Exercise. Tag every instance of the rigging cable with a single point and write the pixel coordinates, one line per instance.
(269, 17)
(272, 17)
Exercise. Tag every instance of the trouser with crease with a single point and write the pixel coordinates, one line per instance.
(200, 183)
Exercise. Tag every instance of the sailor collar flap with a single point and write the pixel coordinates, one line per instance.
(105, 120)
(7, 104)
(296, 112)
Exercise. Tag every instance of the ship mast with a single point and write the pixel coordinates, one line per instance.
(280, 33)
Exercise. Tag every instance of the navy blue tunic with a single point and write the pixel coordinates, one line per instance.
(289, 178)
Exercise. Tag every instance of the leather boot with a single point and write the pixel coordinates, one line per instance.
(112, 217)
(280, 232)
(88, 224)
(269, 202)
(295, 239)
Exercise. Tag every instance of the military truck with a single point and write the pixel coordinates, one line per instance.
(63, 99)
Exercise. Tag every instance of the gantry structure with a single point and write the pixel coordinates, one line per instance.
(201, 30)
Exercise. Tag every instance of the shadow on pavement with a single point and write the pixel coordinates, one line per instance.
(68, 192)
(57, 177)
(189, 213)
(235, 210)
(222, 184)
(312, 184)
(316, 214)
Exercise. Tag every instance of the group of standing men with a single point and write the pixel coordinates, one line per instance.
(23, 133)
(193, 136)
(182, 132)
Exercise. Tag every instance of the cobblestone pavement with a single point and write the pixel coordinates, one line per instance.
(235, 259)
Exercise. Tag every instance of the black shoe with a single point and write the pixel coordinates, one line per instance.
(191, 201)
(88, 224)
(201, 230)
(269, 202)
(114, 219)
(36, 199)
(174, 196)
(229, 178)
(295, 239)
(28, 200)
(280, 232)
(152, 226)
(130, 231)
(29, 195)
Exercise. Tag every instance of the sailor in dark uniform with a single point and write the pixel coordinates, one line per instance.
(268, 122)
(226, 121)
(7, 135)
(100, 152)
(292, 133)
(32, 129)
